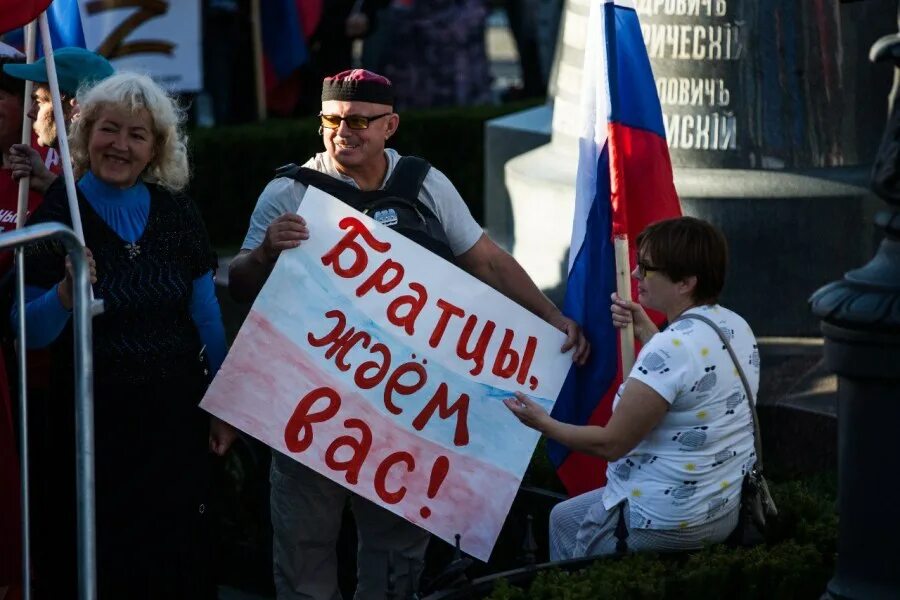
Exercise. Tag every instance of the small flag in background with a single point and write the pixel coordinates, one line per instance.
(623, 183)
(63, 18)
(286, 25)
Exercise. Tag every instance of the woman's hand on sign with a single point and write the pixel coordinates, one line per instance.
(529, 412)
(284, 233)
(574, 338)
(221, 436)
(64, 289)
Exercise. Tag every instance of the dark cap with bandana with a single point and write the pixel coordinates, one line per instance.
(358, 85)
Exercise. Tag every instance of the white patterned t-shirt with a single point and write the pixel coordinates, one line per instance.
(689, 469)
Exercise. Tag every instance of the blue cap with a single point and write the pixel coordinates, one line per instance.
(74, 67)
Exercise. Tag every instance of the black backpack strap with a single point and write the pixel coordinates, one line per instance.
(288, 170)
(407, 178)
(337, 188)
(308, 177)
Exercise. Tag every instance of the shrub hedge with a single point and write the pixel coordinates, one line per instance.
(233, 164)
(795, 562)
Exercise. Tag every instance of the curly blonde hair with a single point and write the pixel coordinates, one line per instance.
(131, 91)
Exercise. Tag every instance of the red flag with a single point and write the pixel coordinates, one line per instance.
(16, 13)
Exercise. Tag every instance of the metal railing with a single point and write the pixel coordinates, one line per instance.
(84, 400)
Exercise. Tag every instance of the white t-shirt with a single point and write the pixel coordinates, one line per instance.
(690, 468)
(283, 195)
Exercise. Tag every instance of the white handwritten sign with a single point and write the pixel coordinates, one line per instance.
(383, 367)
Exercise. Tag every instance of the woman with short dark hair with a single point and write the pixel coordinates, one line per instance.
(680, 438)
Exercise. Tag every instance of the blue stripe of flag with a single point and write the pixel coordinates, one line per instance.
(591, 281)
(633, 98)
(283, 41)
(66, 29)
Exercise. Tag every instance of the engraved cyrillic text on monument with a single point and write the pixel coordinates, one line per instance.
(695, 47)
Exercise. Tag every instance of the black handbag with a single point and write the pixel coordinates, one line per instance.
(757, 505)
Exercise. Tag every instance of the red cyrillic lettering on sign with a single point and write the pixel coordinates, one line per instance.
(527, 357)
(334, 334)
(346, 344)
(382, 472)
(438, 402)
(395, 385)
(340, 343)
(355, 229)
(385, 278)
(358, 447)
(448, 310)
(439, 471)
(414, 305)
(298, 433)
(507, 360)
(476, 354)
(367, 382)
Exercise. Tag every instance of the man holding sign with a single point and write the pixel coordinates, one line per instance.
(418, 201)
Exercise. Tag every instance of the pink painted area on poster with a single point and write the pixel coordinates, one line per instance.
(271, 375)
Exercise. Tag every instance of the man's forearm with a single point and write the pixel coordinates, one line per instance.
(507, 276)
(247, 274)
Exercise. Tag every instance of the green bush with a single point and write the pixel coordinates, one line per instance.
(787, 570)
(806, 513)
(796, 562)
(233, 164)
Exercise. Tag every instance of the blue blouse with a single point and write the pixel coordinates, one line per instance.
(126, 212)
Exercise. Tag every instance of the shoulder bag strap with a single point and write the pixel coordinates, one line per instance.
(346, 193)
(737, 365)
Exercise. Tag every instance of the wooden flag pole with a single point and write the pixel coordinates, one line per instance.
(256, 18)
(623, 288)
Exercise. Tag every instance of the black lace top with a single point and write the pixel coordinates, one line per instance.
(145, 332)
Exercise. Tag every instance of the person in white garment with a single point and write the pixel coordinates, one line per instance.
(680, 438)
(357, 119)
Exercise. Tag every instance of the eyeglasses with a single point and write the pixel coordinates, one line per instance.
(643, 268)
(353, 121)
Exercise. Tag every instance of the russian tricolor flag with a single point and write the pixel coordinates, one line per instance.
(286, 25)
(624, 182)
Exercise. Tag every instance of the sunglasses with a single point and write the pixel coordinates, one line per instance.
(643, 268)
(353, 121)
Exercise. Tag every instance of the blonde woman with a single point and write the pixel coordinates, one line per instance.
(152, 265)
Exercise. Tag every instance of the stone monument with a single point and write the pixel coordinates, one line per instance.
(772, 115)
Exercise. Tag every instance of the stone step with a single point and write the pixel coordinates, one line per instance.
(797, 407)
(794, 376)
